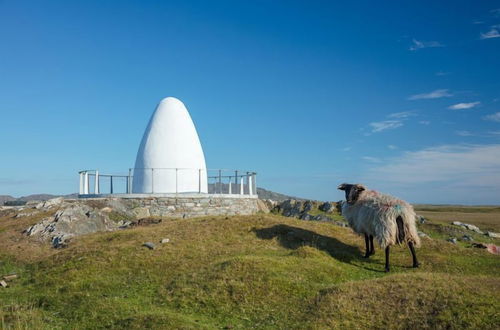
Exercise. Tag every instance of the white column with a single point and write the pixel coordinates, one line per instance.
(81, 183)
(230, 192)
(96, 184)
(241, 186)
(250, 187)
(86, 183)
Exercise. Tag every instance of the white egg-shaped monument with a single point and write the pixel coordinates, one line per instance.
(170, 158)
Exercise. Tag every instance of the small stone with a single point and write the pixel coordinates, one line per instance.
(3, 284)
(421, 219)
(467, 238)
(492, 234)
(452, 240)
(149, 245)
(422, 234)
(165, 240)
(10, 277)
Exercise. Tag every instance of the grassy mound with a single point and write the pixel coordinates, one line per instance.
(262, 271)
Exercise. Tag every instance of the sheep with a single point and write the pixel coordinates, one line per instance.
(372, 214)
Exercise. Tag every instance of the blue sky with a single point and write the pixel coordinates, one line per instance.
(402, 96)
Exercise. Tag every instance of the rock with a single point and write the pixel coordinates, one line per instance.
(473, 228)
(322, 217)
(165, 240)
(3, 284)
(10, 277)
(149, 245)
(60, 241)
(422, 234)
(326, 207)
(25, 214)
(50, 203)
(467, 238)
(492, 234)
(306, 216)
(452, 240)
(73, 220)
(141, 212)
(308, 206)
(467, 226)
(290, 208)
(421, 219)
(263, 206)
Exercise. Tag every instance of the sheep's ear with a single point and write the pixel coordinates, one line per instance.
(342, 186)
(360, 187)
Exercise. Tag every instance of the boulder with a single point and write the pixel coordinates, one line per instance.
(74, 220)
(149, 245)
(326, 207)
(467, 226)
(492, 234)
(50, 203)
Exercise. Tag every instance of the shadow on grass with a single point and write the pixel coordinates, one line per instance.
(294, 237)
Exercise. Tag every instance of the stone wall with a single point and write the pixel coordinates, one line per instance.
(177, 206)
(188, 207)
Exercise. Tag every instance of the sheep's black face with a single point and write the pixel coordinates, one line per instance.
(352, 191)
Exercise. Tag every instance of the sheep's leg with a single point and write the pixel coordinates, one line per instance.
(372, 247)
(367, 244)
(387, 268)
(413, 254)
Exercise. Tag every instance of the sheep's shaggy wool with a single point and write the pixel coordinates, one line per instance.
(375, 214)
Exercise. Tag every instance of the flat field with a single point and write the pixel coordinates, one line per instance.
(261, 271)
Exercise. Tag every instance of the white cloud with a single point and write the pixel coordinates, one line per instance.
(463, 106)
(460, 163)
(346, 149)
(424, 122)
(493, 117)
(443, 174)
(438, 93)
(400, 115)
(380, 126)
(494, 133)
(392, 147)
(464, 133)
(492, 33)
(416, 44)
(442, 73)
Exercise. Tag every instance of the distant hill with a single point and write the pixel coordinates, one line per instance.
(34, 197)
(267, 194)
(6, 198)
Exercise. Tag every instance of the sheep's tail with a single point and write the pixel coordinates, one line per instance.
(400, 233)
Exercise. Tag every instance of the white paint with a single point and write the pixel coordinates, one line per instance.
(96, 183)
(81, 183)
(250, 185)
(170, 142)
(86, 183)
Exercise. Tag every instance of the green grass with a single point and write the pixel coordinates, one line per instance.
(262, 271)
